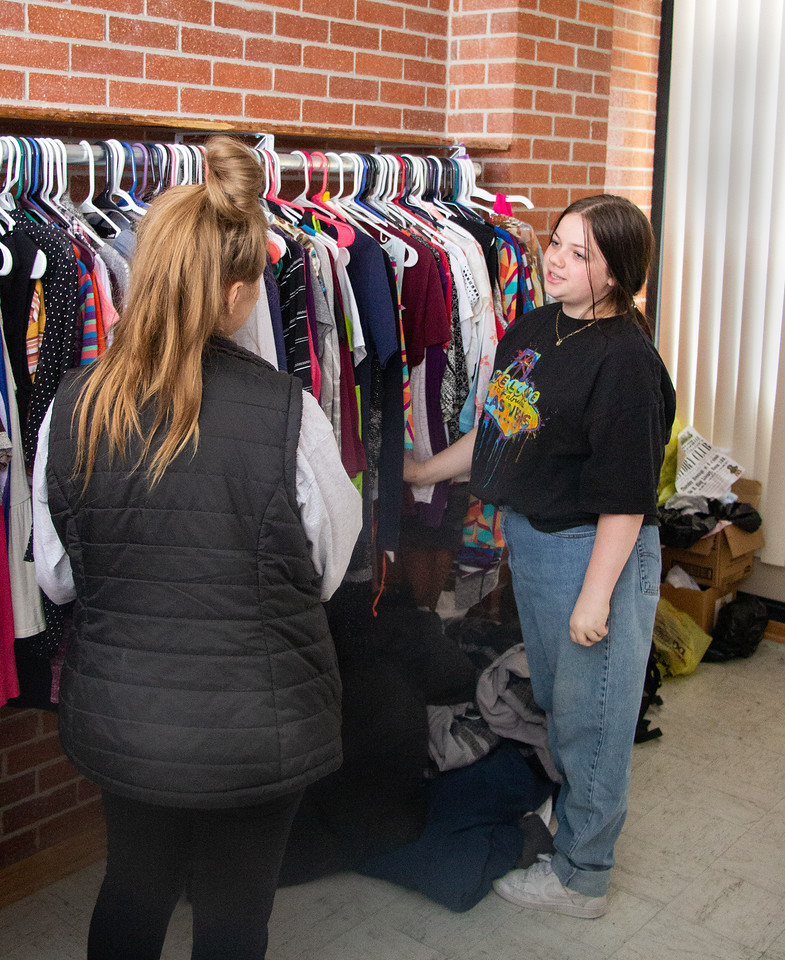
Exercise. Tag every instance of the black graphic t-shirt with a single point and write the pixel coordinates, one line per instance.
(572, 431)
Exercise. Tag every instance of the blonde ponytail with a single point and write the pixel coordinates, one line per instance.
(192, 244)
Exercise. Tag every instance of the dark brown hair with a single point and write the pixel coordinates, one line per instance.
(624, 237)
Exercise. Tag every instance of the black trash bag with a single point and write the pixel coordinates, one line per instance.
(681, 530)
(742, 515)
(740, 628)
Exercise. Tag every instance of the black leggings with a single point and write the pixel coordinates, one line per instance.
(230, 860)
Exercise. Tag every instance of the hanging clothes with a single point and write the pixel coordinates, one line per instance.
(387, 304)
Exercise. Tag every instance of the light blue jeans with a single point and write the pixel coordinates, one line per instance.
(591, 695)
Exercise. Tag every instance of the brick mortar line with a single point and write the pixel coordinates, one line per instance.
(27, 34)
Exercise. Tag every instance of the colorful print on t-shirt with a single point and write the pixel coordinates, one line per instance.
(512, 398)
(511, 413)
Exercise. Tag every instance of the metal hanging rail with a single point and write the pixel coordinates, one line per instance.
(76, 154)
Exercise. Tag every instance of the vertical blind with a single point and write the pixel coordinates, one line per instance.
(722, 277)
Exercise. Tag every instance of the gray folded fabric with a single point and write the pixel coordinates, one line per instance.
(505, 699)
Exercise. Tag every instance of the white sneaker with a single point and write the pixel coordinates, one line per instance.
(539, 888)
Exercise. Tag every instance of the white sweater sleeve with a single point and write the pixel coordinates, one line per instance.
(330, 505)
(52, 566)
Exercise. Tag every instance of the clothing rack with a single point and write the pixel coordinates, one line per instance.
(79, 154)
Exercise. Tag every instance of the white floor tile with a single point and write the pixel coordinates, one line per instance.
(776, 951)
(456, 934)
(673, 938)
(650, 873)
(371, 939)
(732, 907)
(527, 936)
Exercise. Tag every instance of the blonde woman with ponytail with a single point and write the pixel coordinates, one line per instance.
(191, 500)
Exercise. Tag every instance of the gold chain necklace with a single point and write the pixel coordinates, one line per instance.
(560, 340)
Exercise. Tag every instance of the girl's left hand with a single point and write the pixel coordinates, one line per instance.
(589, 620)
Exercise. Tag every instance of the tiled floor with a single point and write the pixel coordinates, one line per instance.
(700, 873)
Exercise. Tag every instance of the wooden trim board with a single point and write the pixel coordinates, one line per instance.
(32, 874)
(775, 631)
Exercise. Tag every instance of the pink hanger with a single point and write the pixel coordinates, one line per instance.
(502, 205)
(344, 231)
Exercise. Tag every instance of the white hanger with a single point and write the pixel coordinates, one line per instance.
(12, 176)
(302, 198)
(87, 205)
(337, 202)
(265, 162)
(7, 264)
(79, 226)
(358, 215)
(198, 154)
(333, 196)
(268, 163)
(467, 164)
(125, 200)
(39, 265)
(13, 170)
(348, 204)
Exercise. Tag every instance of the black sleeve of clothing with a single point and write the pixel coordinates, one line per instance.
(628, 423)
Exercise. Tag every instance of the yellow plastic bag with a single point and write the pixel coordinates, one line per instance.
(679, 643)
(667, 485)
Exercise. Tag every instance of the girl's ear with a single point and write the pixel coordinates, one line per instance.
(232, 293)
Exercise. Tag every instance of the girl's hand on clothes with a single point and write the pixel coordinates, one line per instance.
(411, 468)
(589, 620)
(448, 464)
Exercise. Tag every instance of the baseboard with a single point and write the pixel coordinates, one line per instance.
(775, 631)
(32, 874)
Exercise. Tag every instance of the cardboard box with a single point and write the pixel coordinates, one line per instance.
(723, 558)
(702, 605)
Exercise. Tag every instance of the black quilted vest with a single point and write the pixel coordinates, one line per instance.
(202, 673)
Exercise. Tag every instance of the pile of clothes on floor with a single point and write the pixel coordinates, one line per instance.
(445, 755)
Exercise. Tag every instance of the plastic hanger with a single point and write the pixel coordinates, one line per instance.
(124, 201)
(27, 187)
(52, 179)
(337, 202)
(423, 189)
(159, 166)
(133, 193)
(313, 211)
(6, 260)
(88, 206)
(274, 243)
(356, 213)
(286, 209)
(468, 173)
(139, 189)
(105, 199)
(198, 154)
(353, 204)
(13, 172)
(407, 201)
(77, 227)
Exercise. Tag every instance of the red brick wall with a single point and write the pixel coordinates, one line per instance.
(564, 89)
(43, 800)
(570, 83)
(367, 64)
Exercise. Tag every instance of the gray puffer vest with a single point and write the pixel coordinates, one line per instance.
(202, 673)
